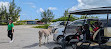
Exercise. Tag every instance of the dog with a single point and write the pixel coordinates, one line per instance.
(44, 33)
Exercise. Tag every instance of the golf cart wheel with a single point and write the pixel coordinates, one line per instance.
(59, 39)
(74, 46)
(104, 40)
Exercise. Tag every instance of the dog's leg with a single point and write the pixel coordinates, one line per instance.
(40, 42)
(40, 38)
(47, 39)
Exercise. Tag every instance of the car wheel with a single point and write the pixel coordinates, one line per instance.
(59, 39)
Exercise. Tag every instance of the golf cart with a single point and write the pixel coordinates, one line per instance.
(71, 31)
(102, 33)
(106, 30)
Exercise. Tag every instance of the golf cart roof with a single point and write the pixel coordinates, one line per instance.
(100, 10)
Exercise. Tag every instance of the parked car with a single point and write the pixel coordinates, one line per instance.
(56, 25)
(71, 29)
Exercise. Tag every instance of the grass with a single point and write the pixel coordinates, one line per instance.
(43, 26)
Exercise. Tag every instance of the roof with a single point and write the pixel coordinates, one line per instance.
(90, 19)
(91, 11)
(30, 20)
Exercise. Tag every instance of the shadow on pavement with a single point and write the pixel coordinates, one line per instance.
(49, 45)
(33, 45)
(3, 42)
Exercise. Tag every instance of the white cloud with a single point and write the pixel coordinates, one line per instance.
(30, 3)
(52, 8)
(23, 14)
(6, 4)
(33, 6)
(40, 10)
(85, 4)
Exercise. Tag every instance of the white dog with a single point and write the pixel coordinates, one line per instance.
(45, 33)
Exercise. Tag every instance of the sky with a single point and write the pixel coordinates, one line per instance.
(31, 9)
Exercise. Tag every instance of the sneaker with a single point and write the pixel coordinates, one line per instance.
(11, 41)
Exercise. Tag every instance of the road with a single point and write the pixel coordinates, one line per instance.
(25, 37)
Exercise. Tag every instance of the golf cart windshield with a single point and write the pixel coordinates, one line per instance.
(104, 23)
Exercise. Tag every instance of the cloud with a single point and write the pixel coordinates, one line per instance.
(85, 4)
(40, 10)
(31, 4)
(6, 4)
(23, 14)
(52, 8)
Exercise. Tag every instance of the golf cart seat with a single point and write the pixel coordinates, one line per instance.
(89, 43)
(107, 34)
(95, 34)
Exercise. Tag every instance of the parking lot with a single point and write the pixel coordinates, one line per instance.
(25, 37)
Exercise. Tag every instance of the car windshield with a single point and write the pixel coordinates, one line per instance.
(56, 22)
(76, 22)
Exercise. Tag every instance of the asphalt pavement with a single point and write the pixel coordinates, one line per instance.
(25, 37)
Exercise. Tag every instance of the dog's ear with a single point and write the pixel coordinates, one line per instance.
(57, 48)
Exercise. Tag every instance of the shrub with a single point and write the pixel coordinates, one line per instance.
(3, 23)
(18, 23)
(43, 26)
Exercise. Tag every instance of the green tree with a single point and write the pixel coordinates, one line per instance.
(72, 18)
(36, 19)
(66, 13)
(47, 16)
(3, 13)
(65, 17)
(14, 11)
(84, 17)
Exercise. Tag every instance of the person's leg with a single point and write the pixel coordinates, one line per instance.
(9, 34)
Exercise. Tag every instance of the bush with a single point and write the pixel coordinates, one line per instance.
(3, 23)
(43, 26)
(22, 21)
(18, 23)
